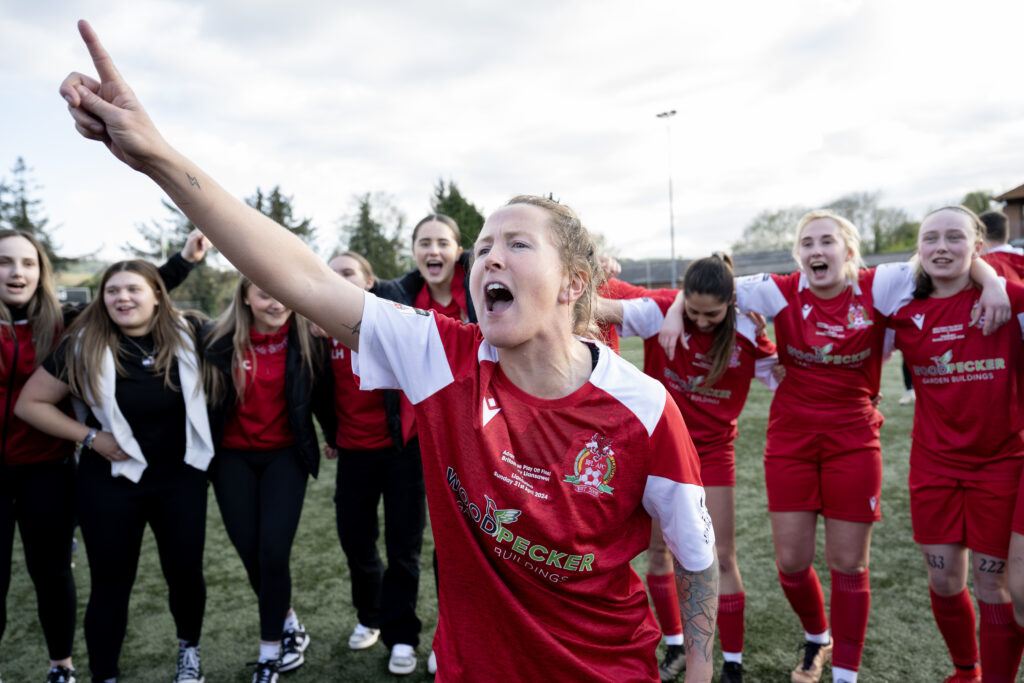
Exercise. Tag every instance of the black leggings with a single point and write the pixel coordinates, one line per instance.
(113, 513)
(40, 497)
(260, 496)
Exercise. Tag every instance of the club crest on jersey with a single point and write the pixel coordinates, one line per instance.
(977, 318)
(734, 362)
(594, 467)
(857, 318)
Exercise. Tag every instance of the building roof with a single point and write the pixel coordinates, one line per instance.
(1015, 193)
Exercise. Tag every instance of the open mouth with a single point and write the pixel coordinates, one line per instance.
(435, 267)
(498, 298)
(819, 269)
(16, 286)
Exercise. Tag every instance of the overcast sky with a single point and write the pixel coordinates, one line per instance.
(779, 103)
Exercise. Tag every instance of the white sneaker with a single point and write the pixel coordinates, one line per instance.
(432, 663)
(363, 637)
(293, 644)
(403, 660)
(908, 398)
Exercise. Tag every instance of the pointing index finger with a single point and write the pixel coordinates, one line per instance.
(100, 58)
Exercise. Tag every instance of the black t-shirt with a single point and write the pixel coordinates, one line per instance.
(155, 413)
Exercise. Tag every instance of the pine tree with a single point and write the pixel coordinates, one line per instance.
(364, 232)
(19, 210)
(447, 199)
(278, 207)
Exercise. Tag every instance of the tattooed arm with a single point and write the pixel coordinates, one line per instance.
(108, 111)
(698, 607)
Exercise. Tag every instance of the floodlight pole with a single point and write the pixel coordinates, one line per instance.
(667, 115)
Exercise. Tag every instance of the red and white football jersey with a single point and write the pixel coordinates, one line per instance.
(710, 411)
(969, 414)
(537, 506)
(832, 348)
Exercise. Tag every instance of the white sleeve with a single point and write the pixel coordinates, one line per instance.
(762, 366)
(400, 348)
(684, 520)
(640, 318)
(893, 286)
(760, 294)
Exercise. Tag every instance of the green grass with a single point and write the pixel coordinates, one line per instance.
(903, 643)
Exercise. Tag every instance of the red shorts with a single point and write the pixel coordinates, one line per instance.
(975, 514)
(718, 465)
(836, 473)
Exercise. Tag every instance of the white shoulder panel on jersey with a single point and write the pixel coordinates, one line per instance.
(642, 395)
(893, 287)
(400, 348)
(746, 327)
(760, 294)
(640, 318)
(680, 511)
(486, 352)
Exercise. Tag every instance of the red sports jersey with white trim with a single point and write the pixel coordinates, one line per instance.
(538, 506)
(362, 421)
(969, 412)
(832, 348)
(1008, 264)
(710, 411)
(613, 288)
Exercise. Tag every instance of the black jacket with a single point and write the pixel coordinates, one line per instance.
(405, 288)
(305, 395)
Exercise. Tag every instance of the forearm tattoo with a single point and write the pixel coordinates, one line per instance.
(192, 180)
(698, 606)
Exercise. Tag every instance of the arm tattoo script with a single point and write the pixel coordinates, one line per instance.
(698, 606)
(192, 180)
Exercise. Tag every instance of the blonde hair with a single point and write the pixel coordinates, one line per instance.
(923, 285)
(93, 333)
(847, 231)
(43, 309)
(579, 256)
(235, 321)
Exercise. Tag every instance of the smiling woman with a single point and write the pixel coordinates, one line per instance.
(524, 426)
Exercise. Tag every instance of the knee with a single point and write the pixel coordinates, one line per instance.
(946, 583)
(792, 560)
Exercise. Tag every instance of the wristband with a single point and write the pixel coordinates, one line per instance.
(89, 438)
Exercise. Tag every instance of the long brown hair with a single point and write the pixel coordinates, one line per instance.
(93, 333)
(713, 276)
(236, 321)
(43, 310)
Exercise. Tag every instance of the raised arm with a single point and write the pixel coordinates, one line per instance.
(277, 261)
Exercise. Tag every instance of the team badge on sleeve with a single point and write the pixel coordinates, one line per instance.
(594, 467)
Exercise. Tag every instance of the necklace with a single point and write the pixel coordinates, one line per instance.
(148, 357)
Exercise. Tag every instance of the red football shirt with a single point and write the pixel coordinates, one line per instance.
(362, 421)
(710, 411)
(1008, 264)
(969, 414)
(538, 506)
(832, 348)
(260, 421)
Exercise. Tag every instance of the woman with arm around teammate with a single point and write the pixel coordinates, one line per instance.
(968, 446)
(823, 454)
(709, 381)
(131, 358)
(262, 369)
(37, 473)
(544, 455)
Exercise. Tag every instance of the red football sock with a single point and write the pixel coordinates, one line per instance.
(666, 603)
(1001, 644)
(954, 615)
(730, 621)
(803, 590)
(851, 604)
